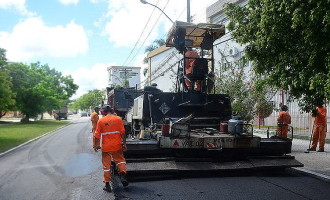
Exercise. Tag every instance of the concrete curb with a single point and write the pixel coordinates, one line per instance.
(25, 143)
(311, 174)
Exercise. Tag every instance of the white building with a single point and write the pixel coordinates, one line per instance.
(118, 75)
(162, 67)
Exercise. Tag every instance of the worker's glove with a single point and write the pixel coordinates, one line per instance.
(96, 148)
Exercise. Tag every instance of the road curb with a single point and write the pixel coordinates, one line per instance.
(25, 143)
(311, 173)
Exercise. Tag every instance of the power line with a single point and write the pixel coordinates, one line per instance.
(140, 35)
(149, 33)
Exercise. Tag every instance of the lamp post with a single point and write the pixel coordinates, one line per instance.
(145, 2)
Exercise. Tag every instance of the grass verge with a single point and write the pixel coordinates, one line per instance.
(14, 134)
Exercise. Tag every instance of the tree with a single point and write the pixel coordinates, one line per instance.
(39, 89)
(247, 102)
(289, 44)
(89, 100)
(6, 94)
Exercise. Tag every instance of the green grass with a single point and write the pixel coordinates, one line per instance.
(15, 134)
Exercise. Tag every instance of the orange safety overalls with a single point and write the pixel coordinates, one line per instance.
(283, 119)
(94, 119)
(320, 128)
(111, 129)
(190, 61)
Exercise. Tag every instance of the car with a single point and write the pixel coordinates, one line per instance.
(83, 114)
(70, 113)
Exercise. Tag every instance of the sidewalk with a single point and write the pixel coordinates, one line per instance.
(316, 164)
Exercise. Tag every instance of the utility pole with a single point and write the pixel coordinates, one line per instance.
(188, 11)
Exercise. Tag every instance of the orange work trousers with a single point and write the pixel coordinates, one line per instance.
(319, 134)
(118, 158)
(198, 85)
(282, 131)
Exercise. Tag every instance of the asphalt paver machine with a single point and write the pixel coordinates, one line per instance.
(192, 129)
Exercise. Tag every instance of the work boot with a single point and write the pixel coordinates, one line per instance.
(123, 179)
(107, 187)
(320, 150)
(311, 149)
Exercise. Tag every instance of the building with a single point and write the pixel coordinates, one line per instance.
(162, 68)
(124, 76)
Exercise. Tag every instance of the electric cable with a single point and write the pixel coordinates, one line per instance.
(149, 33)
(140, 35)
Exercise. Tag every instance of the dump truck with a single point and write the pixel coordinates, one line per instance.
(61, 114)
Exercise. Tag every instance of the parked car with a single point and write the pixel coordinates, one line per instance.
(83, 114)
(70, 113)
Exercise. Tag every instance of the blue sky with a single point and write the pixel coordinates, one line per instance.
(84, 37)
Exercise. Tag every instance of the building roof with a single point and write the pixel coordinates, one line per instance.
(157, 51)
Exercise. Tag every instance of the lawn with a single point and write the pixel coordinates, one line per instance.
(14, 134)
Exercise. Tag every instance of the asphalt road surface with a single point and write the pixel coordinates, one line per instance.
(62, 165)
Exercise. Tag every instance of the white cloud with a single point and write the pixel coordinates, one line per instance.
(31, 38)
(125, 20)
(67, 2)
(16, 4)
(96, 1)
(95, 77)
(128, 18)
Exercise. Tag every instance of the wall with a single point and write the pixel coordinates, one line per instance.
(163, 68)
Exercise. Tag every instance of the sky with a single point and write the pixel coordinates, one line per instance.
(82, 38)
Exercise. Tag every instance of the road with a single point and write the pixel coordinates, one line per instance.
(62, 165)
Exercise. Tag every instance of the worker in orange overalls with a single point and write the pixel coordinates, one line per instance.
(94, 119)
(320, 128)
(111, 129)
(283, 120)
(190, 61)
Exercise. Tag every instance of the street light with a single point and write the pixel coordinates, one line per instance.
(145, 2)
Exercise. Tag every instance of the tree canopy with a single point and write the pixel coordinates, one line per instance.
(38, 88)
(7, 96)
(289, 44)
(246, 100)
(89, 100)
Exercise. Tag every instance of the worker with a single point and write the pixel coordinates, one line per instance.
(283, 120)
(95, 118)
(111, 129)
(320, 127)
(190, 61)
